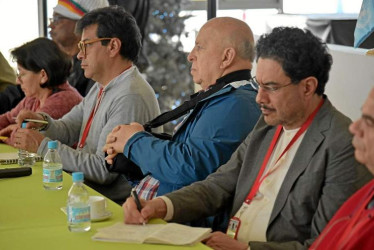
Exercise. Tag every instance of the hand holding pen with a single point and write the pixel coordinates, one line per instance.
(34, 120)
(140, 212)
(134, 195)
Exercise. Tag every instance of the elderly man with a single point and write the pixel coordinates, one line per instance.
(110, 44)
(352, 226)
(292, 172)
(65, 17)
(221, 60)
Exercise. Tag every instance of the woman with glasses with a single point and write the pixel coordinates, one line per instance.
(42, 74)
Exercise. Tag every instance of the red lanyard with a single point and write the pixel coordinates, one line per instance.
(274, 141)
(89, 121)
(344, 238)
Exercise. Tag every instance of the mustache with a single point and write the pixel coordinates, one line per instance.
(263, 106)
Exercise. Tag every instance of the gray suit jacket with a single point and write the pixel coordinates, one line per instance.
(323, 174)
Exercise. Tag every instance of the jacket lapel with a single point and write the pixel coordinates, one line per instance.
(311, 141)
(261, 136)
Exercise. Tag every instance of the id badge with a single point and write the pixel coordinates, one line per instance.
(233, 228)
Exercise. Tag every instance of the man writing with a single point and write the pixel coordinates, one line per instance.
(222, 57)
(110, 44)
(292, 172)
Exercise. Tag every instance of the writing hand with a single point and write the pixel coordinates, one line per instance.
(155, 208)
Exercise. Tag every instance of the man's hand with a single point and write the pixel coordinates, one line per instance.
(26, 114)
(27, 139)
(221, 241)
(8, 132)
(155, 208)
(117, 139)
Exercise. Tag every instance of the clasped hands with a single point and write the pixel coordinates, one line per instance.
(29, 138)
(117, 139)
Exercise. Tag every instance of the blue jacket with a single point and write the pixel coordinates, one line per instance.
(203, 142)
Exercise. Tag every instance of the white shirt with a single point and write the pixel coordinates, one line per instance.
(255, 216)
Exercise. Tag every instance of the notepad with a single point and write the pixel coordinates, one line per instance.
(168, 234)
(12, 158)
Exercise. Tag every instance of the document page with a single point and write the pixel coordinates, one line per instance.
(169, 234)
(126, 233)
(177, 234)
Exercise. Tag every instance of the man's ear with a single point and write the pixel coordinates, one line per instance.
(228, 56)
(310, 85)
(114, 46)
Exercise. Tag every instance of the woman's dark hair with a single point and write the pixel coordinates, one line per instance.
(43, 53)
(300, 53)
(114, 21)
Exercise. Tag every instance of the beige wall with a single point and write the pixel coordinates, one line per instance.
(351, 78)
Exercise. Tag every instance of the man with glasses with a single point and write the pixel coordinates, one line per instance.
(292, 172)
(62, 30)
(110, 44)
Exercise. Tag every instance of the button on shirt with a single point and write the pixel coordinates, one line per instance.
(255, 216)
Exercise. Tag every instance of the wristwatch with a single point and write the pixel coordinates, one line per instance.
(45, 118)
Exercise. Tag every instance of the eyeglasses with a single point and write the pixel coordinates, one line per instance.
(20, 75)
(56, 19)
(269, 87)
(82, 45)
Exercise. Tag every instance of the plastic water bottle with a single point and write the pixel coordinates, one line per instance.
(25, 158)
(78, 207)
(52, 168)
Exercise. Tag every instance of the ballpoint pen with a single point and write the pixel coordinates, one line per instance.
(34, 120)
(137, 201)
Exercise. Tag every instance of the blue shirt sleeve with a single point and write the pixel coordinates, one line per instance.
(201, 145)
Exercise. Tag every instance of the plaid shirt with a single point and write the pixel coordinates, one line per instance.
(147, 188)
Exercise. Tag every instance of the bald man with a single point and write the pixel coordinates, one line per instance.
(210, 133)
(292, 172)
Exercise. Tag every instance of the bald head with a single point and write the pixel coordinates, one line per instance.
(223, 45)
(233, 32)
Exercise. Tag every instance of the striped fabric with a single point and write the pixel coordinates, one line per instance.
(73, 7)
(76, 9)
(147, 188)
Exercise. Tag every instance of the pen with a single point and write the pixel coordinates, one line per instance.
(137, 201)
(34, 120)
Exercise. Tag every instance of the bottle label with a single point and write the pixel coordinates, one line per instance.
(52, 175)
(78, 214)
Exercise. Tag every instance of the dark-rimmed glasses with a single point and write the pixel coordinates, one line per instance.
(271, 86)
(83, 44)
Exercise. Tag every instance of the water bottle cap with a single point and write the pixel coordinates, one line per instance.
(52, 144)
(23, 124)
(78, 176)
